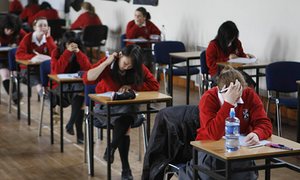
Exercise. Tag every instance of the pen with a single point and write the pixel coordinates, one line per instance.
(279, 146)
(223, 90)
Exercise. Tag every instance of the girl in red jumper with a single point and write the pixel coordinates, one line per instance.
(15, 7)
(36, 45)
(69, 58)
(46, 11)
(214, 108)
(121, 72)
(30, 10)
(224, 47)
(87, 18)
(10, 35)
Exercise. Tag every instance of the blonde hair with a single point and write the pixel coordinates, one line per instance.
(89, 7)
(228, 75)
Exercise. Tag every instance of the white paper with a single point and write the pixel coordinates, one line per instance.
(243, 143)
(243, 60)
(68, 76)
(106, 94)
(136, 40)
(5, 48)
(40, 58)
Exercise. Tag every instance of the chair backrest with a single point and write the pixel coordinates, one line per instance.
(162, 50)
(12, 65)
(281, 76)
(123, 43)
(56, 28)
(45, 68)
(88, 89)
(204, 68)
(94, 35)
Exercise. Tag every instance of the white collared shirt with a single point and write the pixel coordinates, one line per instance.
(239, 101)
(35, 40)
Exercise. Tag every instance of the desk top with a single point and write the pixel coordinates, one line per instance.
(54, 77)
(243, 65)
(141, 40)
(28, 63)
(186, 55)
(218, 148)
(298, 82)
(142, 97)
(5, 48)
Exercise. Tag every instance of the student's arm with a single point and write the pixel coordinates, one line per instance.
(153, 28)
(83, 61)
(214, 55)
(50, 43)
(24, 51)
(150, 83)
(60, 63)
(131, 30)
(78, 23)
(240, 52)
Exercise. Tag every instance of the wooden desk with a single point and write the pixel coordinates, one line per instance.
(146, 97)
(217, 150)
(187, 56)
(31, 68)
(60, 82)
(298, 112)
(241, 66)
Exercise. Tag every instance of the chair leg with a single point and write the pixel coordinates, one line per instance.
(10, 92)
(278, 118)
(140, 146)
(86, 139)
(199, 83)
(41, 114)
(144, 125)
(268, 103)
(165, 81)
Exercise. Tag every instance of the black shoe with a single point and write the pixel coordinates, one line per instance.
(105, 156)
(70, 131)
(126, 175)
(15, 97)
(80, 141)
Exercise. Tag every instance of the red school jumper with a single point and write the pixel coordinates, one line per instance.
(86, 19)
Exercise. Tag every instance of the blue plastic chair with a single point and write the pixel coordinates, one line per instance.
(162, 59)
(280, 81)
(206, 80)
(45, 69)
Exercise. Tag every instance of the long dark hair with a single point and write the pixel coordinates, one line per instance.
(144, 12)
(133, 76)
(226, 33)
(10, 21)
(45, 5)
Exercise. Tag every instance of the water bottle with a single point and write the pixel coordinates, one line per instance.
(232, 132)
(163, 33)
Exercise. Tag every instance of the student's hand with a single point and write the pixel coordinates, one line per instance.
(252, 139)
(48, 33)
(124, 88)
(111, 58)
(233, 56)
(73, 47)
(233, 93)
(250, 56)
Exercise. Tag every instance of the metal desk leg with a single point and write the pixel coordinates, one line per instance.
(268, 170)
(170, 78)
(298, 115)
(51, 113)
(91, 139)
(18, 90)
(108, 144)
(148, 123)
(195, 163)
(28, 95)
(257, 81)
(228, 169)
(188, 82)
(61, 119)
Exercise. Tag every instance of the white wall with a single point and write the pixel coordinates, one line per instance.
(269, 29)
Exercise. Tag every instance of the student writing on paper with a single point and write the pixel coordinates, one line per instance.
(224, 47)
(32, 45)
(11, 34)
(69, 57)
(214, 107)
(120, 72)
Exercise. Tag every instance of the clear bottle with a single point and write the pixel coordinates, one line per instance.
(232, 132)
(163, 33)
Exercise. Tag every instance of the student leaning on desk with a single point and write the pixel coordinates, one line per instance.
(120, 72)
(214, 108)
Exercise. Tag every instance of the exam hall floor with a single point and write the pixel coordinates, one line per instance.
(25, 155)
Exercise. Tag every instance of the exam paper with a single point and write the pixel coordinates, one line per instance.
(243, 60)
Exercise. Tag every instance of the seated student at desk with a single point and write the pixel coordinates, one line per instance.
(69, 58)
(214, 108)
(224, 47)
(142, 27)
(46, 11)
(10, 35)
(36, 45)
(120, 72)
(30, 10)
(87, 18)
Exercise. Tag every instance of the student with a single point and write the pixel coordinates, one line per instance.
(10, 35)
(70, 58)
(214, 108)
(36, 45)
(46, 11)
(15, 7)
(87, 18)
(142, 27)
(120, 72)
(224, 47)
(30, 10)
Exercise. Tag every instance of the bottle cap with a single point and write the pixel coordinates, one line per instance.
(232, 113)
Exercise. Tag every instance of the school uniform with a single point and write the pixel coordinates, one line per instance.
(50, 14)
(86, 19)
(213, 112)
(29, 47)
(15, 7)
(29, 11)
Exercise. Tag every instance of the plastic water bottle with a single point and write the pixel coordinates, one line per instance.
(232, 132)
(163, 33)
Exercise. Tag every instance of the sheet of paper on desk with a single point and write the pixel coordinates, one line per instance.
(136, 40)
(5, 48)
(40, 58)
(106, 94)
(68, 76)
(243, 60)
(261, 143)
